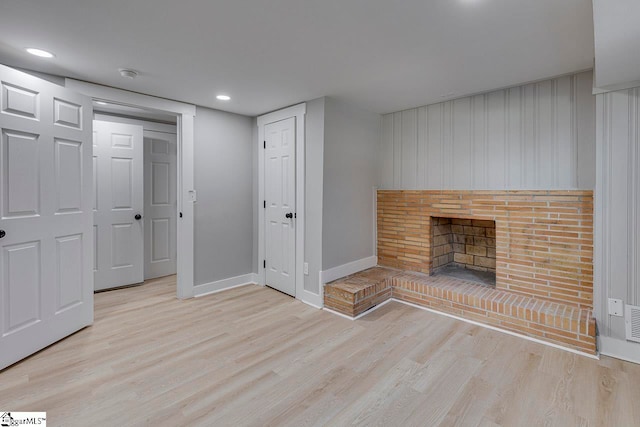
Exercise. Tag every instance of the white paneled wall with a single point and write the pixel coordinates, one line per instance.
(617, 208)
(536, 136)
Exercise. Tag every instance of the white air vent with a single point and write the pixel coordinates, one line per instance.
(632, 320)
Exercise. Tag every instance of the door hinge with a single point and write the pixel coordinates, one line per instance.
(265, 144)
(264, 264)
(265, 204)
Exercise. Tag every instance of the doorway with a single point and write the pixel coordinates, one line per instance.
(46, 199)
(184, 116)
(135, 208)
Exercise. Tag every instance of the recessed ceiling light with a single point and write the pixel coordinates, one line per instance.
(223, 97)
(39, 52)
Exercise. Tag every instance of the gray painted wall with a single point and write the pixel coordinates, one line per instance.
(617, 221)
(224, 184)
(314, 153)
(351, 170)
(535, 136)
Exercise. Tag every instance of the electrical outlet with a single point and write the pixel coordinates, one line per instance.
(305, 268)
(616, 307)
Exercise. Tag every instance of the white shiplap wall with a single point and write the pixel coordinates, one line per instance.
(536, 136)
(617, 215)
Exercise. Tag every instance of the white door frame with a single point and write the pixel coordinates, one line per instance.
(185, 132)
(297, 111)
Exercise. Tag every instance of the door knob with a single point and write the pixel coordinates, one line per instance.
(289, 215)
(2, 234)
(138, 217)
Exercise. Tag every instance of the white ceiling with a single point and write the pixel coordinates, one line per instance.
(385, 55)
(617, 43)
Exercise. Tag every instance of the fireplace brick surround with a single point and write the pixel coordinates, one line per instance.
(544, 239)
(543, 261)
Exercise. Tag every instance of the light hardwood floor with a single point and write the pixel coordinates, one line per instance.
(253, 356)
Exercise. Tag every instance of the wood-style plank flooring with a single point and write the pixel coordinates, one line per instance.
(253, 356)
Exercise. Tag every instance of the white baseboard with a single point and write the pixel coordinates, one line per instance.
(372, 309)
(334, 273)
(224, 284)
(255, 278)
(620, 349)
(473, 322)
(314, 300)
(504, 331)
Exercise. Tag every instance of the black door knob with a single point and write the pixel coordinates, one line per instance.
(138, 217)
(289, 215)
(2, 234)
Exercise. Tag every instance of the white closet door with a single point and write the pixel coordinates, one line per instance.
(160, 204)
(280, 194)
(46, 285)
(118, 205)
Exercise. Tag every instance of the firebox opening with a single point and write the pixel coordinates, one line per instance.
(464, 248)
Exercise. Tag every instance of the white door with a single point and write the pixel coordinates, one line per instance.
(160, 204)
(118, 204)
(46, 285)
(280, 194)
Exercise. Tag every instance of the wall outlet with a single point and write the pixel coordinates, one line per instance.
(305, 268)
(616, 307)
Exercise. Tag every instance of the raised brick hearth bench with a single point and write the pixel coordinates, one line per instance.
(565, 325)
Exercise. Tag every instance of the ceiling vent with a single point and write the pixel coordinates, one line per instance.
(632, 320)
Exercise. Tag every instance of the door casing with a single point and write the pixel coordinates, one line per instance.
(185, 114)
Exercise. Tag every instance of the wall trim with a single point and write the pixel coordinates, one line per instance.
(343, 270)
(372, 309)
(620, 349)
(146, 124)
(224, 284)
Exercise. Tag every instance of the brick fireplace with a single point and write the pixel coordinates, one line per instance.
(544, 239)
(538, 243)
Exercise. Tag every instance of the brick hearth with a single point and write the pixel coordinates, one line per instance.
(562, 324)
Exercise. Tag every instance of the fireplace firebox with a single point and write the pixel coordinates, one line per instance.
(464, 248)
